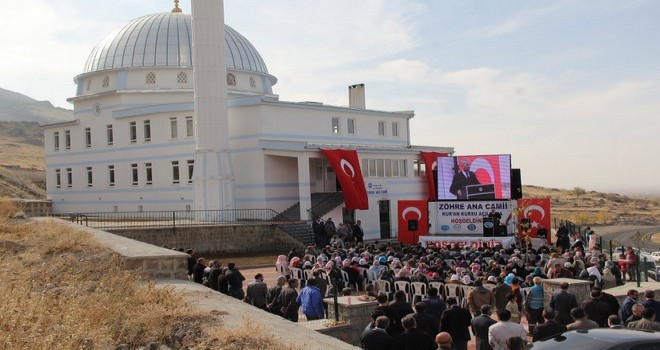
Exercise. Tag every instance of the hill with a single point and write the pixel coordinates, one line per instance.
(17, 107)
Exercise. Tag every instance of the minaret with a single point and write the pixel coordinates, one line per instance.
(213, 178)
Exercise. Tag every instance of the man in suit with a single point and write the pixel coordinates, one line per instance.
(377, 338)
(596, 309)
(647, 322)
(412, 338)
(400, 308)
(549, 328)
(456, 321)
(480, 325)
(435, 306)
(463, 178)
(424, 321)
(581, 321)
(318, 227)
(631, 299)
(562, 302)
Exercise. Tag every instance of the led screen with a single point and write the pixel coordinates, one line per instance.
(474, 177)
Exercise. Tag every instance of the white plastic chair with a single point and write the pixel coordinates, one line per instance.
(297, 273)
(440, 287)
(384, 287)
(463, 295)
(418, 290)
(405, 287)
(344, 276)
(282, 269)
(453, 291)
(308, 274)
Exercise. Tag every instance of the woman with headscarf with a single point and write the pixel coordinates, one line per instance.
(282, 266)
(509, 278)
(376, 269)
(595, 276)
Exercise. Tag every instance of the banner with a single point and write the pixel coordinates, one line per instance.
(537, 211)
(431, 163)
(454, 217)
(413, 220)
(476, 242)
(346, 165)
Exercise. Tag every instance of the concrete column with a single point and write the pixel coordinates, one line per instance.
(213, 178)
(304, 187)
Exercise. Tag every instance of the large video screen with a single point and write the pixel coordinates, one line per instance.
(474, 177)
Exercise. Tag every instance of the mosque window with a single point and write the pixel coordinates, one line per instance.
(111, 175)
(88, 137)
(419, 167)
(351, 126)
(149, 173)
(89, 84)
(90, 179)
(134, 174)
(56, 140)
(231, 79)
(67, 139)
(175, 171)
(69, 178)
(395, 129)
(174, 132)
(384, 167)
(253, 83)
(191, 167)
(150, 79)
(58, 178)
(190, 128)
(110, 135)
(147, 130)
(132, 131)
(335, 125)
(381, 128)
(106, 81)
(182, 78)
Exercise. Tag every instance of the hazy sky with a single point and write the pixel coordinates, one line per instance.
(571, 89)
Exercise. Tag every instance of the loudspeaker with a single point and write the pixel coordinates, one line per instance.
(412, 225)
(489, 227)
(516, 184)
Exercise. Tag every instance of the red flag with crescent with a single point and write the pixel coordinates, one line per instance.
(346, 165)
(431, 162)
(413, 220)
(537, 211)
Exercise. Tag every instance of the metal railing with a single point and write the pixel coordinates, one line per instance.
(187, 218)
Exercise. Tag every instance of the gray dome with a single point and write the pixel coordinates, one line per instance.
(165, 40)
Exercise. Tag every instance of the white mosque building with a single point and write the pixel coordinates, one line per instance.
(134, 146)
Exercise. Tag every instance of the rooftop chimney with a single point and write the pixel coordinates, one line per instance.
(356, 96)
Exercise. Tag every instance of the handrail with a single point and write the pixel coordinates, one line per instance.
(332, 196)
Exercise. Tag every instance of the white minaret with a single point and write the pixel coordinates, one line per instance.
(213, 175)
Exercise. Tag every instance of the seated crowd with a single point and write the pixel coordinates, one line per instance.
(461, 287)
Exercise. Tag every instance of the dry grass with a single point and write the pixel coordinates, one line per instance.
(61, 290)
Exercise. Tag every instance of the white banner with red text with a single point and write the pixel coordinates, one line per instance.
(461, 217)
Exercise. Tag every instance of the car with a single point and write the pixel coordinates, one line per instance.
(656, 256)
(601, 339)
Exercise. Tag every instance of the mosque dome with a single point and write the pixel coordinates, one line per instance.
(165, 40)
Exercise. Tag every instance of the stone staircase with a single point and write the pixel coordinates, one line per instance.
(322, 203)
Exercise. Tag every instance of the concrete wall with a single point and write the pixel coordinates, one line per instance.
(215, 240)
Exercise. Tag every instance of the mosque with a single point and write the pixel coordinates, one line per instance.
(154, 131)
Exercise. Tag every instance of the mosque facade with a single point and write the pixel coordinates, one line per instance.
(133, 145)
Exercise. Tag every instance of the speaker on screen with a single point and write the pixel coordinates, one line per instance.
(516, 184)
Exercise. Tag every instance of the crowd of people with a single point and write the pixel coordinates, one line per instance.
(504, 281)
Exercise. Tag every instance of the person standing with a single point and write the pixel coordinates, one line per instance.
(311, 301)
(456, 321)
(400, 308)
(650, 303)
(330, 230)
(534, 304)
(319, 232)
(549, 328)
(358, 232)
(562, 302)
(214, 273)
(480, 325)
(377, 337)
(257, 292)
(500, 294)
(289, 306)
(435, 306)
(444, 341)
(273, 296)
(503, 330)
(626, 308)
(479, 296)
(596, 309)
(647, 322)
(235, 281)
(425, 323)
(581, 321)
(412, 338)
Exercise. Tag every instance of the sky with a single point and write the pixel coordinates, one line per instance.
(571, 89)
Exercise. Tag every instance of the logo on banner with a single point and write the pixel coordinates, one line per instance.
(445, 227)
(411, 210)
(472, 227)
(488, 224)
(457, 227)
(343, 164)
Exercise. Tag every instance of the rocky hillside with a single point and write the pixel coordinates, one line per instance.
(18, 107)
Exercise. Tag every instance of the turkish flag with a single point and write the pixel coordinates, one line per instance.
(537, 211)
(431, 161)
(489, 171)
(346, 165)
(409, 214)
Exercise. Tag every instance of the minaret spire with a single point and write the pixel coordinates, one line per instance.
(176, 7)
